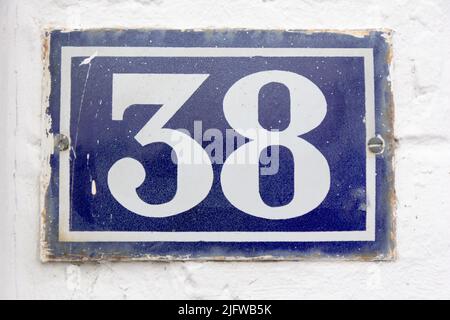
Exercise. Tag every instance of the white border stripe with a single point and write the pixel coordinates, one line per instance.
(370, 132)
(105, 236)
(67, 53)
(215, 52)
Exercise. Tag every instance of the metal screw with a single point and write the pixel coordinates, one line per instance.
(376, 145)
(62, 142)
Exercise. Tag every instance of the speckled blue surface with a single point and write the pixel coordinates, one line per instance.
(340, 137)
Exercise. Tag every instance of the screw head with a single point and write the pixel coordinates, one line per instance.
(62, 142)
(376, 145)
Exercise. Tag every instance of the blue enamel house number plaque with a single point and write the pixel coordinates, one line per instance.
(230, 144)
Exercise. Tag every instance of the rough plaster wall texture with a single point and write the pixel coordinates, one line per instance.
(421, 92)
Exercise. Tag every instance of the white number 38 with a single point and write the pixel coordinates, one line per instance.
(240, 182)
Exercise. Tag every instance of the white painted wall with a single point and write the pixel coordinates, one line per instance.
(422, 96)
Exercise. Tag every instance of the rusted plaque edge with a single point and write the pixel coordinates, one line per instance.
(384, 249)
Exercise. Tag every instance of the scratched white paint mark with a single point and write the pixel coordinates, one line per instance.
(73, 152)
(84, 62)
(73, 277)
(89, 59)
(93, 188)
